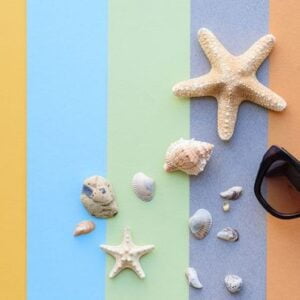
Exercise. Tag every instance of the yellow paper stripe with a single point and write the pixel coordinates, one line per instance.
(13, 150)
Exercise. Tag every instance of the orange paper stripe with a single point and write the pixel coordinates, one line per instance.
(283, 237)
(12, 151)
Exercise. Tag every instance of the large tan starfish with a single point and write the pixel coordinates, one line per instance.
(127, 255)
(231, 80)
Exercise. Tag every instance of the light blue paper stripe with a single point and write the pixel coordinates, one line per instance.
(67, 68)
(237, 24)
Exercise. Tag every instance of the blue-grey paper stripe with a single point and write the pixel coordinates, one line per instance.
(237, 24)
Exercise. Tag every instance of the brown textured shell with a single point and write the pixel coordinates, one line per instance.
(98, 198)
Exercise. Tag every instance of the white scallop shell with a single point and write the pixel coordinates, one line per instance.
(84, 227)
(143, 186)
(200, 223)
(228, 234)
(233, 193)
(189, 156)
(233, 283)
(192, 277)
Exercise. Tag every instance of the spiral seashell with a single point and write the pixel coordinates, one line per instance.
(233, 193)
(200, 223)
(98, 198)
(228, 234)
(192, 277)
(233, 283)
(189, 156)
(143, 186)
(84, 227)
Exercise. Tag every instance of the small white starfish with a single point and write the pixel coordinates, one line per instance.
(231, 80)
(127, 255)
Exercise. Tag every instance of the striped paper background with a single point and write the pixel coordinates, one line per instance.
(86, 89)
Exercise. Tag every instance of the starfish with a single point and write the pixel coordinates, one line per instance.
(231, 80)
(127, 255)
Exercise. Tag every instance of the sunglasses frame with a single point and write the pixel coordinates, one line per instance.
(273, 154)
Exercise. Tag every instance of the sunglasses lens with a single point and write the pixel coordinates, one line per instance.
(281, 187)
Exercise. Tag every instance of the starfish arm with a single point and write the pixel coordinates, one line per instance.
(116, 269)
(227, 113)
(212, 48)
(137, 268)
(256, 54)
(259, 94)
(142, 250)
(127, 236)
(205, 85)
(112, 250)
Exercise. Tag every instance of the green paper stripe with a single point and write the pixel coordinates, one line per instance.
(149, 52)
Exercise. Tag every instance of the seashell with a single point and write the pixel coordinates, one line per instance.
(228, 234)
(233, 193)
(98, 198)
(143, 186)
(226, 205)
(192, 277)
(189, 156)
(84, 227)
(233, 283)
(200, 223)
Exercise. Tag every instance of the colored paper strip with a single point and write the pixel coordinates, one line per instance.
(283, 243)
(149, 52)
(237, 24)
(13, 157)
(67, 61)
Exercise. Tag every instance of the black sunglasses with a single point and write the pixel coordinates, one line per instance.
(277, 185)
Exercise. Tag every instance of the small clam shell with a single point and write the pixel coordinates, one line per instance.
(233, 193)
(192, 277)
(233, 283)
(143, 186)
(84, 227)
(200, 223)
(228, 234)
